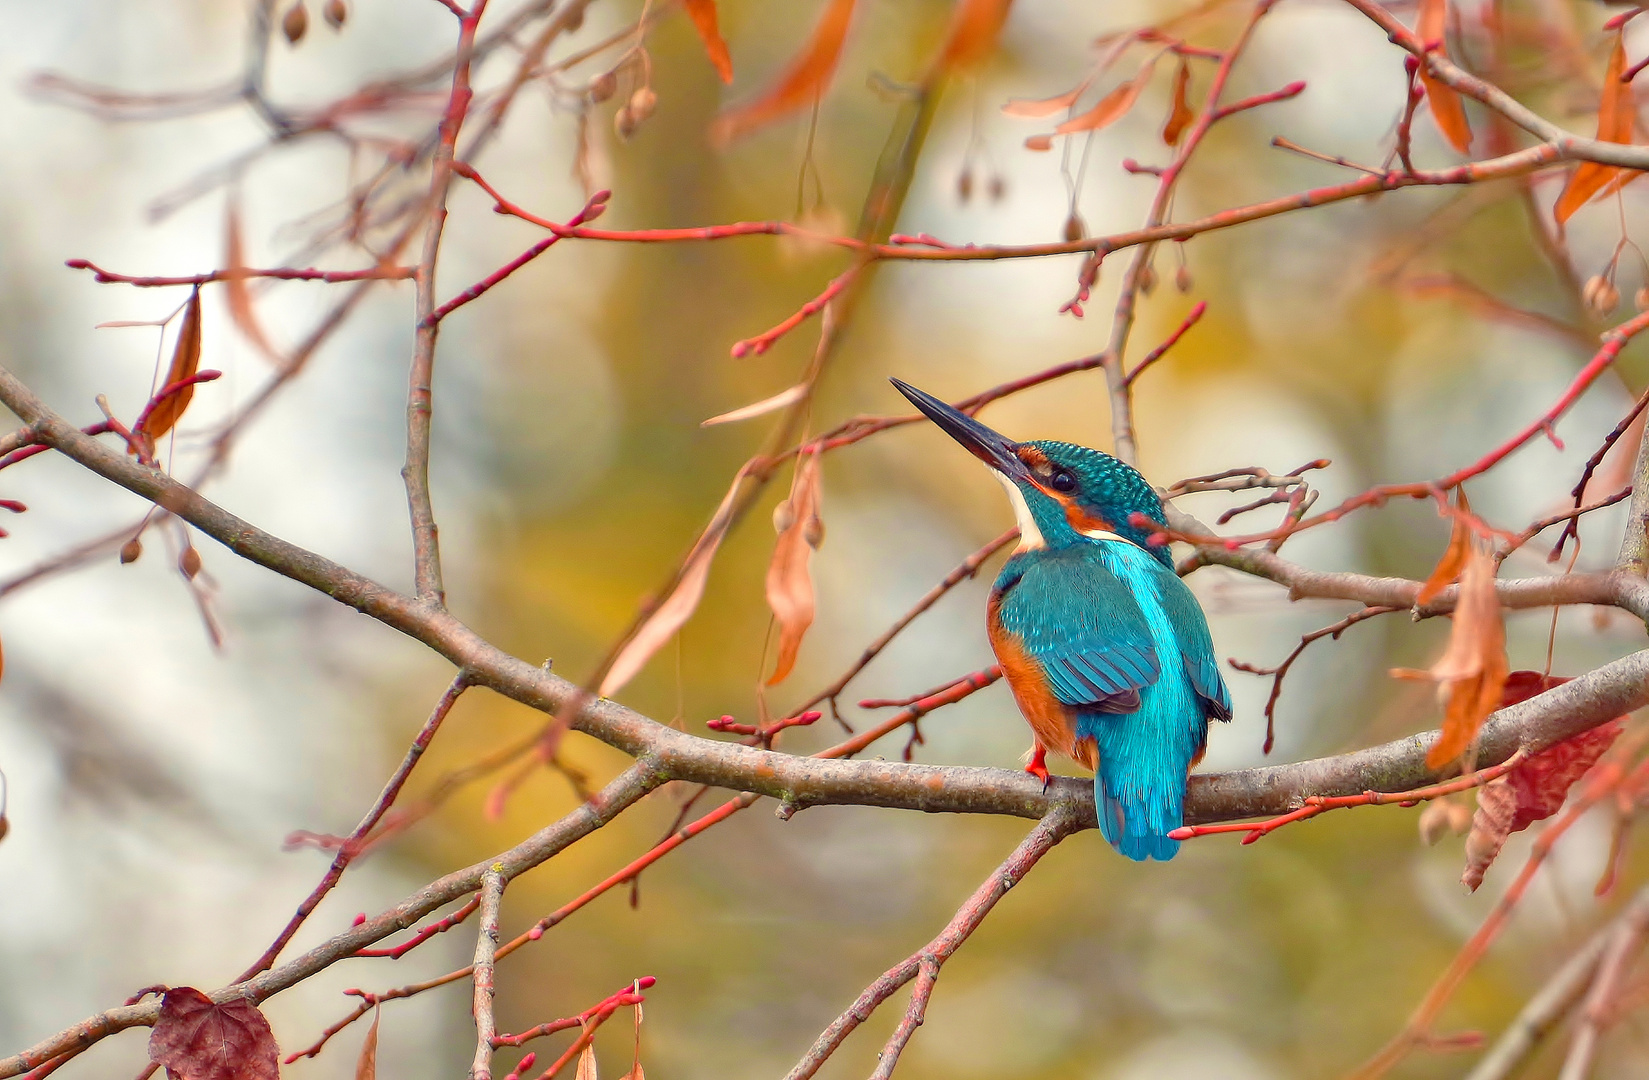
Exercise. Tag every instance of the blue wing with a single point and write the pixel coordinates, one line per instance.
(1196, 647)
(1082, 625)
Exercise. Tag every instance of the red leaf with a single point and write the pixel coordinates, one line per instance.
(703, 14)
(789, 583)
(198, 1039)
(1534, 790)
(802, 83)
(974, 28)
(1446, 108)
(1179, 113)
(1614, 124)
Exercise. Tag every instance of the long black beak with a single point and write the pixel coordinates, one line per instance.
(993, 449)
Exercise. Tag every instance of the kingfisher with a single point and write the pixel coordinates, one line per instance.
(1106, 650)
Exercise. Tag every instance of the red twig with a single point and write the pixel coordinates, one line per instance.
(763, 733)
(762, 342)
(1280, 672)
(1173, 339)
(1293, 89)
(630, 995)
(1321, 804)
(352, 847)
(439, 926)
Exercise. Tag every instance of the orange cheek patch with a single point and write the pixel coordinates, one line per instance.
(1084, 521)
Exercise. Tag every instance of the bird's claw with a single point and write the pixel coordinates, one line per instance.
(1037, 766)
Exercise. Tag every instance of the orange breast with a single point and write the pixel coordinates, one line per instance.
(1050, 720)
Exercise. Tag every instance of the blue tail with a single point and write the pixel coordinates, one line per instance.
(1139, 787)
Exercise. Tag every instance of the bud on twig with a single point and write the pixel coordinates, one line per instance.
(295, 23)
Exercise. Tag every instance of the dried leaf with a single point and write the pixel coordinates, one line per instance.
(974, 28)
(636, 1072)
(703, 14)
(1026, 109)
(1039, 142)
(586, 1065)
(802, 83)
(788, 396)
(1454, 557)
(1472, 670)
(198, 1039)
(1112, 106)
(1534, 790)
(1179, 113)
(1446, 108)
(679, 606)
(236, 291)
(789, 583)
(1614, 124)
(185, 362)
(366, 1066)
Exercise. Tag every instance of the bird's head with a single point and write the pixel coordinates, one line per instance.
(1060, 492)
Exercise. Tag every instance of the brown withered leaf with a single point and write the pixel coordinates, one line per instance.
(789, 582)
(679, 606)
(237, 292)
(1535, 789)
(1027, 109)
(703, 14)
(1446, 108)
(197, 1039)
(586, 1065)
(974, 28)
(1179, 112)
(1454, 556)
(185, 363)
(1615, 114)
(1112, 106)
(788, 396)
(366, 1066)
(802, 83)
(1472, 670)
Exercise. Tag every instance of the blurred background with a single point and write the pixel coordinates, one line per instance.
(151, 777)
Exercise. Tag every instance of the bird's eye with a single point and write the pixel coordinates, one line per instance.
(1063, 482)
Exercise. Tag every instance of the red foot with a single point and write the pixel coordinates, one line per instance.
(1037, 766)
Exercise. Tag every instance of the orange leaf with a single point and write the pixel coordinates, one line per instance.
(974, 28)
(1179, 113)
(703, 14)
(1040, 143)
(1454, 556)
(801, 84)
(185, 362)
(789, 584)
(1615, 114)
(1446, 108)
(1471, 673)
(1027, 109)
(1112, 106)
(236, 291)
(679, 606)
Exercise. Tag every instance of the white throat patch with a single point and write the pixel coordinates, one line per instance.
(1030, 537)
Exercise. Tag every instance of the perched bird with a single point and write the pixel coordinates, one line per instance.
(1106, 650)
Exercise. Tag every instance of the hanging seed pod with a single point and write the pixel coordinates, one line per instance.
(1074, 228)
(1640, 299)
(642, 103)
(1599, 295)
(964, 184)
(1147, 279)
(997, 188)
(336, 13)
(188, 563)
(784, 516)
(814, 532)
(295, 23)
(1182, 278)
(131, 551)
(602, 87)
